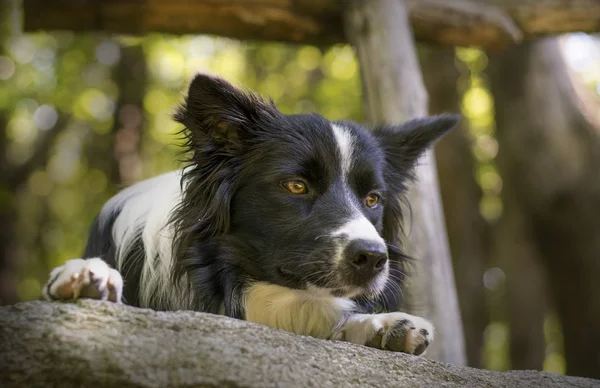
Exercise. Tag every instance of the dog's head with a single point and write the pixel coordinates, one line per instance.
(315, 203)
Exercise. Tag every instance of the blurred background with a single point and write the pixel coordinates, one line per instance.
(83, 115)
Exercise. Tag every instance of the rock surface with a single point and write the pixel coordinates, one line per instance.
(101, 344)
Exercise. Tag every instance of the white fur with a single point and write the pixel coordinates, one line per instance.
(315, 312)
(311, 312)
(380, 281)
(359, 228)
(144, 211)
(345, 143)
(362, 328)
(92, 276)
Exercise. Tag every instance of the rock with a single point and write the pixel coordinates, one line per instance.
(102, 344)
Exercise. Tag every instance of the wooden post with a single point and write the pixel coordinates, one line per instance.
(394, 93)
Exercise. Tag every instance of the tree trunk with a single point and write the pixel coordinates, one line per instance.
(515, 251)
(550, 142)
(526, 297)
(468, 231)
(394, 93)
(130, 75)
(8, 219)
(8, 216)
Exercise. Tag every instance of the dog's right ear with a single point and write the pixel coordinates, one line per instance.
(218, 112)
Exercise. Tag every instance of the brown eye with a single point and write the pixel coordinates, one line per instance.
(296, 187)
(372, 200)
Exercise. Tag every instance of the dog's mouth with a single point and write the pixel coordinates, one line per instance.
(339, 290)
(347, 292)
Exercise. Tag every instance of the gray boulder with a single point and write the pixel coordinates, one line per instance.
(97, 344)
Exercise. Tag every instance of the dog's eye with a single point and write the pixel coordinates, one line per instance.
(372, 200)
(296, 187)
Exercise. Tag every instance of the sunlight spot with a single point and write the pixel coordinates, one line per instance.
(555, 363)
(7, 67)
(580, 51)
(201, 46)
(229, 64)
(486, 147)
(21, 48)
(196, 65)
(308, 57)
(97, 104)
(108, 53)
(45, 117)
(167, 65)
(22, 130)
(477, 101)
(63, 166)
(44, 58)
(490, 207)
(344, 65)
(493, 279)
(495, 353)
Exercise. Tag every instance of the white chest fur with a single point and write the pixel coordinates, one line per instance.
(310, 312)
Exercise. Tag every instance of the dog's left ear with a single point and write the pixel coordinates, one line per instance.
(404, 144)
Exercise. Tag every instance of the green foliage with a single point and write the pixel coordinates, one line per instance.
(65, 79)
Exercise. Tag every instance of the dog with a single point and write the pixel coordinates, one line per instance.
(290, 221)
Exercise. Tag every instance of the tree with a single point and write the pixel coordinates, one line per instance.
(526, 298)
(468, 232)
(130, 75)
(394, 92)
(549, 137)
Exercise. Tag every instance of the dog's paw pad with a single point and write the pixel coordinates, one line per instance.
(407, 333)
(78, 278)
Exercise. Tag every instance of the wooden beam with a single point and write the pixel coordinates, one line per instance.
(394, 93)
(279, 20)
(485, 23)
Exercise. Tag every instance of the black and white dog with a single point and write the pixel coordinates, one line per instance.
(290, 221)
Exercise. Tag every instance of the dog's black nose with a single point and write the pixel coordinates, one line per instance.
(367, 258)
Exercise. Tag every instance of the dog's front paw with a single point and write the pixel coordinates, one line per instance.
(90, 278)
(404, 333)
(398, 332)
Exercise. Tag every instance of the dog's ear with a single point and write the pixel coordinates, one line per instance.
(404, 144)
(216, 110)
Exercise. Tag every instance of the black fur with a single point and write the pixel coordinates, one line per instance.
(237, 224)
(101, 244)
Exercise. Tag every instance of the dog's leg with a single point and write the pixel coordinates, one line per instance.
(78, 278)
(398, 332)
